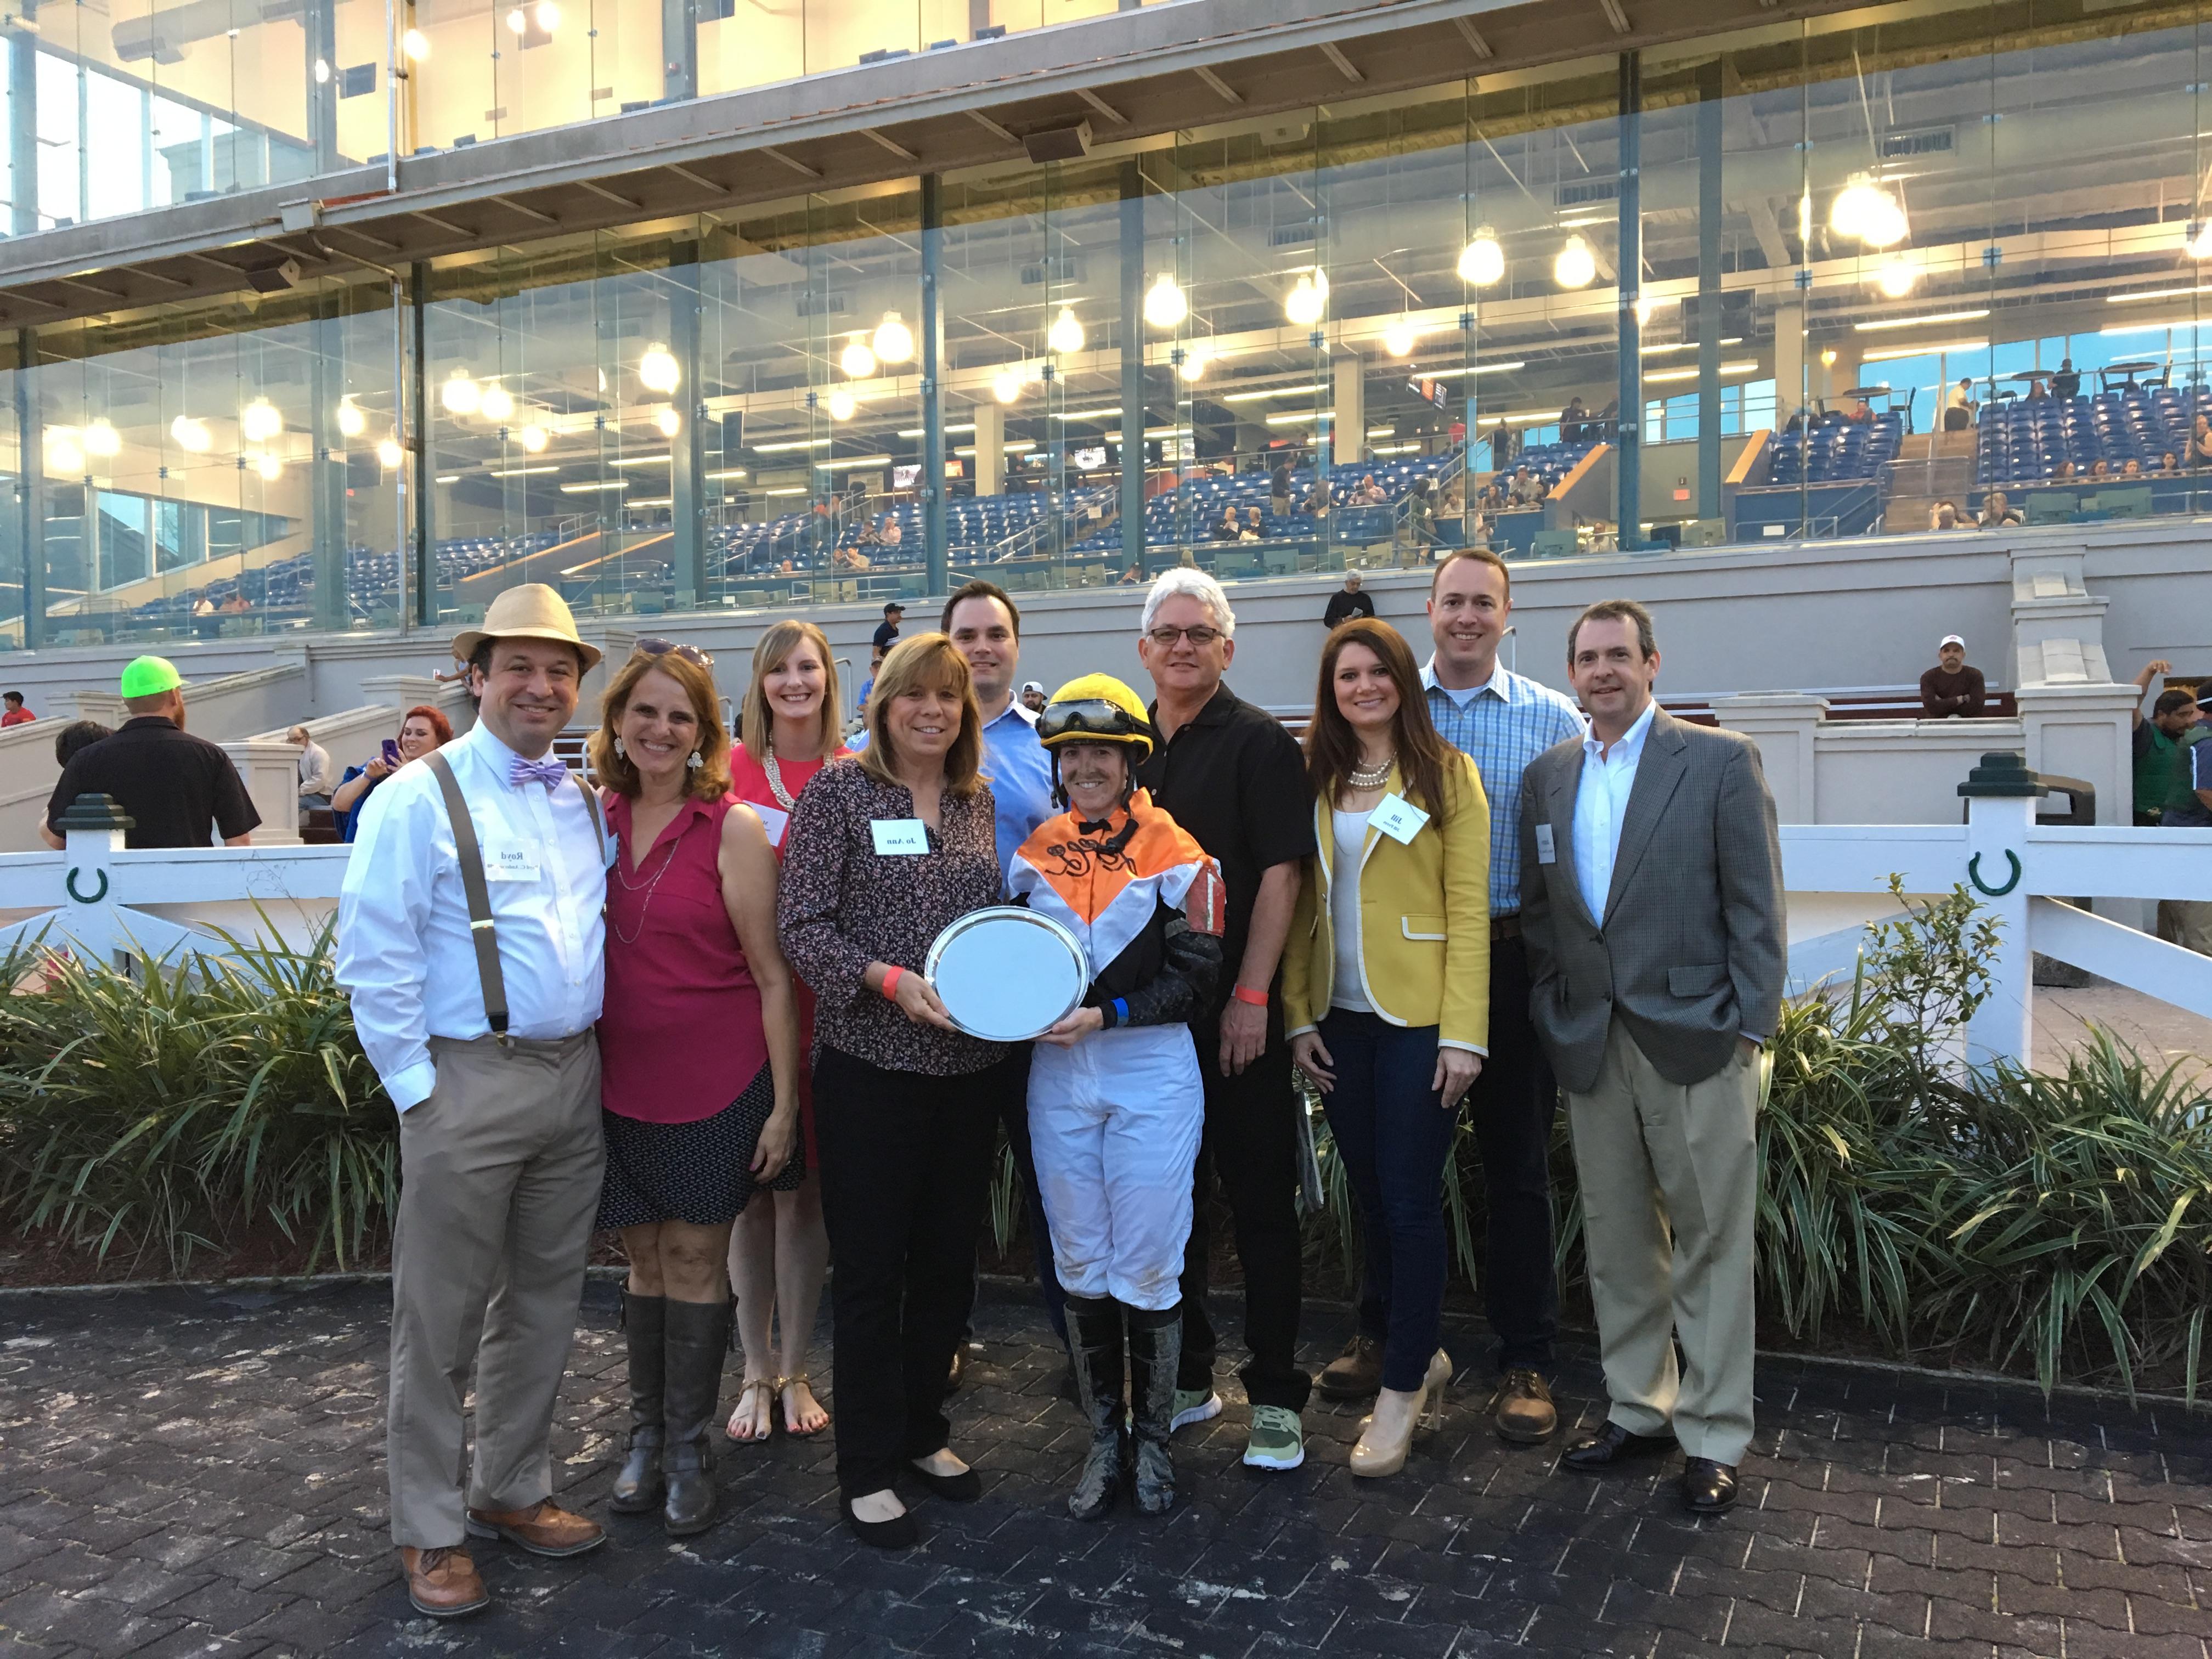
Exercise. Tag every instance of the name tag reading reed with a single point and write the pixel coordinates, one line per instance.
(900, 837)
(1398, 818)
(510, 864)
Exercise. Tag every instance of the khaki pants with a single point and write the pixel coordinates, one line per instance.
(500, 1173)
(2186, 922)
(1669, 1179)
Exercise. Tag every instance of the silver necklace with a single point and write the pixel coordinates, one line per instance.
(1365, 778)
(622, 875)
(776, 779)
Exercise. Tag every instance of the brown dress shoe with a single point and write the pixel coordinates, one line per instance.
(1523, 1410)
(1354, 1374)
(544, 1529)
(443, 1582)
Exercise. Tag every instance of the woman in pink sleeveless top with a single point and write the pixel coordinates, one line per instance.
(780, 1253)
(699, 1059)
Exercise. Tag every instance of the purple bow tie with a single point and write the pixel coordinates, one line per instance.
(549, 771)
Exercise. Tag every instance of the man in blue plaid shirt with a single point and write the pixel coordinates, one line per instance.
(1503, 722)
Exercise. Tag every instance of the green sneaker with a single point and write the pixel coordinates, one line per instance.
(1193, 1405)
(1278, 1439)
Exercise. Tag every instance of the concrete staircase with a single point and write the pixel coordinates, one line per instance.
(1929, 467)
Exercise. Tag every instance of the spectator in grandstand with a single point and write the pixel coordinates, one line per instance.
(1279, 490)
(1132, 575)
(850, 558)
(1348, 602)
(891, 535)
(203, 606)
(2168, 465)
(178, 790)
(1317, 499)
(422, 729)
(76, 736)
(1370, 494)
(1571, 419)
(2038, 393)
(2131, 467)
(1254, 525)
(2063, 473)
(1996, 510)
(870, 536)
(1861, 414)
(1232, 528)
(15, 713)
(887, 633)
(1944, 515)
(236, 605)
(2099, 471)
(1959, 405)
(1951, 688)
(2066, 383)
(315, 780)
(2200, 441)
(2161, 745)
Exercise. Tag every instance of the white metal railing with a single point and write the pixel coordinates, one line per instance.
(112, 904)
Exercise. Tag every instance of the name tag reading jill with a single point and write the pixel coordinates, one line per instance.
(510, 864)
(905, 837)
(1398, 818)
(1546, 851)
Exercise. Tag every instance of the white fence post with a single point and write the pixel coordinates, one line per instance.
(2001, 795)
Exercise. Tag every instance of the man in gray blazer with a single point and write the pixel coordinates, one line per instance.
(1652, 913)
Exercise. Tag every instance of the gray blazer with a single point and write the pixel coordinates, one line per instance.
(1691, 952)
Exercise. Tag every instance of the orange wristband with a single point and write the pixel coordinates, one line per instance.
(891, 977)
(1255, 999)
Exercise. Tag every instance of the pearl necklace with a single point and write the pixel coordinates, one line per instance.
(1365, 778)
(776, 779)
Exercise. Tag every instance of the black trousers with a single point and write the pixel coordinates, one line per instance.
(906, 1170)
(1250, 1146)
(1512, 1106)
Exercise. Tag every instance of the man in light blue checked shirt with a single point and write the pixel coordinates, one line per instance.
(1503, 722)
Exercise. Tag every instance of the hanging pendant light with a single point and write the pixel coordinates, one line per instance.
(658, 370)
(1896, 277)
(259, 421)
(857, 360)
(498, 402)
(416, 45)
(1164, 304)
(270, 467)
(1065, 334)
(669, 422)
(894, 339)
(2198, 239)
(1308, 299)
(1482, 261)
(1193, 366)
(1007, 385)
(102, 439)
(1398, 338)
(841, 405)
(1866, 210)
(351, 420)
(1575, 267)
(190, 435)
(389, 454)
(534, 437)
(460, 395)
(64, 454)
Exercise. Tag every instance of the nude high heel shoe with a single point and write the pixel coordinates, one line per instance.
(1376, 1455)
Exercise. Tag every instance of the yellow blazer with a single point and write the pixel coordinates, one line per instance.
(1424, 919)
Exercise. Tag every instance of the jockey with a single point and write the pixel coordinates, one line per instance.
(1115, 1102)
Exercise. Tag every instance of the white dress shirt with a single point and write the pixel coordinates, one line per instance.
(1600, 803)
(404, 947)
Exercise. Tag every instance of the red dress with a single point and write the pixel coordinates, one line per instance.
(749, 783)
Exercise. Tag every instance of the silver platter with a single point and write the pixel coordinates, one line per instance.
(1006, 974)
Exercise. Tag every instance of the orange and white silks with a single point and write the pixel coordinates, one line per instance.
(1104, 885)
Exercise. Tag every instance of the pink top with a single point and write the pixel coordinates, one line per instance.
(749, 783)
(680, 1034)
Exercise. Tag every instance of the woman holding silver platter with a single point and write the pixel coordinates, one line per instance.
(884, 852)
(1116, 1101)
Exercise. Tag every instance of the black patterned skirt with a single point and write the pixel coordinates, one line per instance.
(699, 1172)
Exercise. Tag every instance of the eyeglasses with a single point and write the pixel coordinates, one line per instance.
(1165, 637)
(660, 647)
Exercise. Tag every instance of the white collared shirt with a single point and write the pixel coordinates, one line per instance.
(1600, 803)
(404, 948)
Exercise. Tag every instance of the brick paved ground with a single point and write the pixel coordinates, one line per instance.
(200, 1472)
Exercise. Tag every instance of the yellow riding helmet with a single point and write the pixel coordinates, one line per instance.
(1096, 708)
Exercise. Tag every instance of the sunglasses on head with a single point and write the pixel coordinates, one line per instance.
(1088, 718)
(660, 647)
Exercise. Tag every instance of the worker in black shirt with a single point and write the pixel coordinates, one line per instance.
(178, 790)
(1232, 777)
(1348, 602)
(887, 630)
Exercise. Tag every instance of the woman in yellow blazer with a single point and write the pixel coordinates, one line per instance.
(1386, 991)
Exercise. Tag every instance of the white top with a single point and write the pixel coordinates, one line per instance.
(403, 949)
(314, 770)
(1348, 986)
(1600, 804)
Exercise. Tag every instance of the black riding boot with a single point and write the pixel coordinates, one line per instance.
(637, 1483)
(698, 1341)
(1155, 1350)
(1094, 1342)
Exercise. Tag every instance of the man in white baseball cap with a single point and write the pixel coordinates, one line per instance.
(1952, 687)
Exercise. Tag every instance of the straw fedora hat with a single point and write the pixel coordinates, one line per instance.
(530, 611)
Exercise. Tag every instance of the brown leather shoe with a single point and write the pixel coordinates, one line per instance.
(1354, 1374)
(1523, 1410)
(443, 1582)
(544, 1529)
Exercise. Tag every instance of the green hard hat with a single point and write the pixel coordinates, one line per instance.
(149, 677)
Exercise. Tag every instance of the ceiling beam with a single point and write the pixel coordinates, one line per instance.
(1335, 53)
(891, 144)
(789, 160)
(1222, 88)
(1473, 36)
(1102, 106)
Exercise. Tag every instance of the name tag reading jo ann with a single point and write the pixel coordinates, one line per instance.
(900, 836)
(1398, 818)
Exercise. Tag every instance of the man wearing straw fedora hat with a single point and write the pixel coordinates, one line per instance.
(470, 937)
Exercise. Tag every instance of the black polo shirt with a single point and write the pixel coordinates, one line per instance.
(1236, 780)
(1344, 604)
(180, 790)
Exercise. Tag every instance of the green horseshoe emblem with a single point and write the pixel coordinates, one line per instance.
(70, 885)
(1974, 874)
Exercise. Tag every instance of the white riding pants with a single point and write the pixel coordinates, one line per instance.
(1114, 1126)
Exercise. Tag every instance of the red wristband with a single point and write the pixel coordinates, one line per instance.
(891, 977)
(1255, 999)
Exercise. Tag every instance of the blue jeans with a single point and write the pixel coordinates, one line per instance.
(1393, 1134)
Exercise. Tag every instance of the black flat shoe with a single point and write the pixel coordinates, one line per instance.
(898, 1533)
(1615, 1447)
(964, 1488)
(1708, 1487)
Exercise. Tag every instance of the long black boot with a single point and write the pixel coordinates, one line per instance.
(1094, 1342)
(1155, 1350)
(698, 1342)
(637, 1483)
